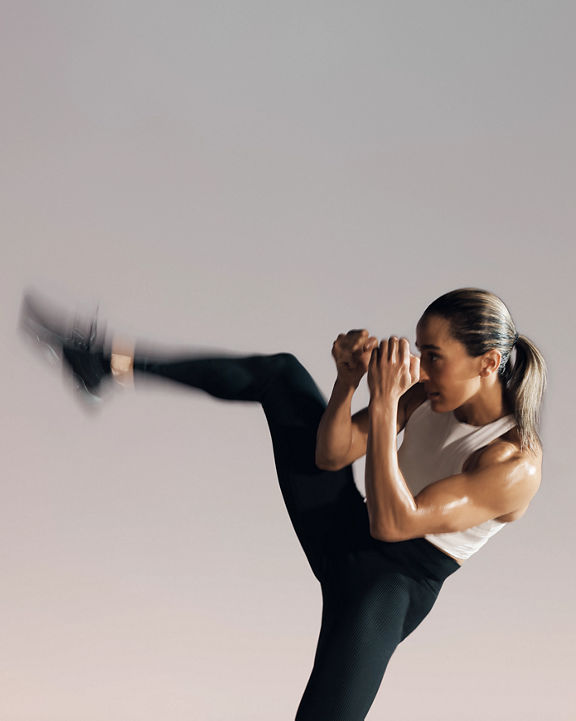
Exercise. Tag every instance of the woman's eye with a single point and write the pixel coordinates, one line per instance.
(429, 355)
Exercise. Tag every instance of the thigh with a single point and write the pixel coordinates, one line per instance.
(359, 634)
(327, 511)
(369, 607)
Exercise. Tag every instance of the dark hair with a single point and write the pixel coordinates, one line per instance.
(481, 321)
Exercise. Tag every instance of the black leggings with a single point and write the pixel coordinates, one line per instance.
(374, 592)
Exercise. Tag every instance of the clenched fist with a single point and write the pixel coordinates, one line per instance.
(392, 369)
(352, 352)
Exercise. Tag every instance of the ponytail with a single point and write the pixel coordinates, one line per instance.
(525, 385)
(481, 321)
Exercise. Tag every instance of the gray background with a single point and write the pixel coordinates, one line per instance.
(259, 177)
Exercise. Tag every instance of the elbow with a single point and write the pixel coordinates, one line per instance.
(325, 465)
(384, 534)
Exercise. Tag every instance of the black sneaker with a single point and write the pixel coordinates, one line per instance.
(75, 343)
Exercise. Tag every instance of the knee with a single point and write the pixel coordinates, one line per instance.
(285, 360)
(287, 370)
(283, 364)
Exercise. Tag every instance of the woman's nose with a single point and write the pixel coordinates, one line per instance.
(423, 375)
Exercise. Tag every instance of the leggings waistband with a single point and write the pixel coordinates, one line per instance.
(421, 555)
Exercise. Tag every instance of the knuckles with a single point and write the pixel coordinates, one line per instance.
(356, 339)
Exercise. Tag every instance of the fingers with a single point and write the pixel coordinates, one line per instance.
(361, 340)
(388, 348)
(370, 344)
(395, 349)
(404, 350)
(415, 368)
(356, 341)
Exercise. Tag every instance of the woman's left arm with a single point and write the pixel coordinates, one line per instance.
(392, 370)
(503, 481)
(389, 501)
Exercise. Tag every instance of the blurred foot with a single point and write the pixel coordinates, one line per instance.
(75, 343)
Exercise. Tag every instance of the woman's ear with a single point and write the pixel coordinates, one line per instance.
(490, 362)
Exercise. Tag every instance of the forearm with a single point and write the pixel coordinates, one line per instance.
(334, 435)
(388, 499)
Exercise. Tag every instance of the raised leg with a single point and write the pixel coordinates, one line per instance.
(374, 593)
(326, 509)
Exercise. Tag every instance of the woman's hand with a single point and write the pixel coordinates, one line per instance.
(351, 352)
(392, 369)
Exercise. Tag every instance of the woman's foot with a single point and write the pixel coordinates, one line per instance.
(75, 343)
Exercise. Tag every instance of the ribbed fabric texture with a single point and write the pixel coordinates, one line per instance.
(436, 445)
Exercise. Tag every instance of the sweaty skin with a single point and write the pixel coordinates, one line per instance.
(122, 361)
(498, 481)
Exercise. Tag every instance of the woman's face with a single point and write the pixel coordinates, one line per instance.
(445, 367)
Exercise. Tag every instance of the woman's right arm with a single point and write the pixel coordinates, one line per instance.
(340, 436)
(343, 438)
(336, 439)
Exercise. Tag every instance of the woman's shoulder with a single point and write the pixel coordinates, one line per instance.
(511, 440)
(506, 447)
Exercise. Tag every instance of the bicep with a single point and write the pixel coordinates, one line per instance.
(465, 500)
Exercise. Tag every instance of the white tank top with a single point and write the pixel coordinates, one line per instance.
(436, 445)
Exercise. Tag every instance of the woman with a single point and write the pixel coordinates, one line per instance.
(469, 463)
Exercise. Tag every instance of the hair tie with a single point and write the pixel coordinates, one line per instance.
(515, 339)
